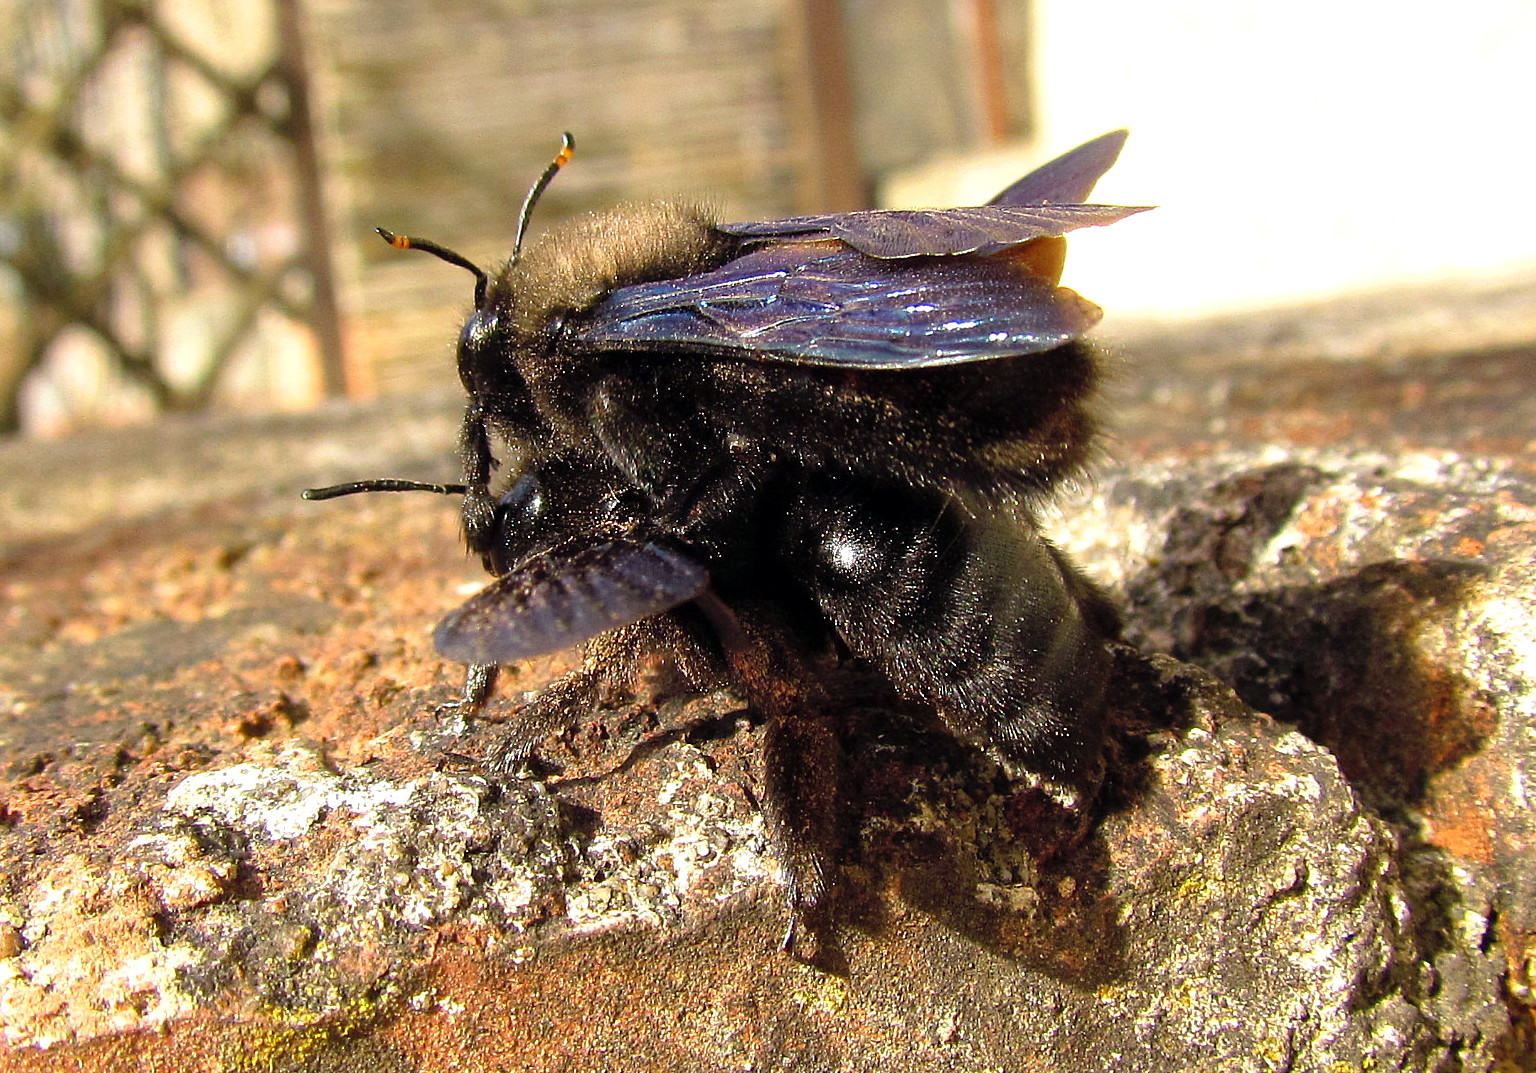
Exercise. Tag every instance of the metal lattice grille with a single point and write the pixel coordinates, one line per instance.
(163, 223)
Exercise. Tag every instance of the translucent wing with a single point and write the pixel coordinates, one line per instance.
(813, 304)
(566, 596)
(898, 233)
(1068, 179)
(1043, 204)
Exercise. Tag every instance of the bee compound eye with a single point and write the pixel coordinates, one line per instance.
(478, 329)
(521, 507)
(526, 494)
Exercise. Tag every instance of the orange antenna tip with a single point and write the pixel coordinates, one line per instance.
(399, 242)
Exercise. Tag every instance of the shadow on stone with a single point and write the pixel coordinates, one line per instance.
(1360, 664)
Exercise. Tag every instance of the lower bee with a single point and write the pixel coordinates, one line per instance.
(752, 446)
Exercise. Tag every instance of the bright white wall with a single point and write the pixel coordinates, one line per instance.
(1296, 148)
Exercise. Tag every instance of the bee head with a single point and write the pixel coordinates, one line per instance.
(485, 328)
(523, 307)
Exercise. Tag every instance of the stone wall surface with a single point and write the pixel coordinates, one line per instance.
(235, 833)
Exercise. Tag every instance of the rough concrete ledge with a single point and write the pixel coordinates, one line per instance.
(231, 838)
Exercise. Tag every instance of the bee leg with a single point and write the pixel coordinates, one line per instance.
(558, 706)
(802, 761)
(479, 683)
(692, 478)
(478, 511)
(607, 675)
(802, 780)
(657, 457)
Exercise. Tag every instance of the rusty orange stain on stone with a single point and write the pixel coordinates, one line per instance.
(1320, 524)
(1521, 535)
(1469, 546)
(1319, 521)
(1460, 819)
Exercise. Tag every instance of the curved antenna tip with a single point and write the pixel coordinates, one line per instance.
(443, 253)
(562, 158)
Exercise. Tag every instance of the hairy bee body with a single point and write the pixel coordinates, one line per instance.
(753, 447)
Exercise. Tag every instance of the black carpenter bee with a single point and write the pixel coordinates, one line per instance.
(748, 446)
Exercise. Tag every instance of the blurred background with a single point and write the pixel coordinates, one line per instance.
(188, 187)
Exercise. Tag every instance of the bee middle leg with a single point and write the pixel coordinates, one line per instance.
(802, 758)
(610, 668)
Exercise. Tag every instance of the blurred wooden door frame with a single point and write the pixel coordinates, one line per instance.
(844, 61)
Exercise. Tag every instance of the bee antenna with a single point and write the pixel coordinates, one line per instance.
(406, 242)
(382, 484)
(562, 158)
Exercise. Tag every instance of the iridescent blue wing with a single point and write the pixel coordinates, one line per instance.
(1043, 204)
(822, 304)
(565, 596)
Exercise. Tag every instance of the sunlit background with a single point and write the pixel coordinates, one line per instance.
(188, 187)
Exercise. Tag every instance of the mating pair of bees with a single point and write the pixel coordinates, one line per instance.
(753, 447)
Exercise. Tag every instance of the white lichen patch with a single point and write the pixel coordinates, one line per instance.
(706, 847)
(281, 801)
(355, 865)
(407, 859)
(1509, 619)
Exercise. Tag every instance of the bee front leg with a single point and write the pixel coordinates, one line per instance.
(608, 672)
(479, 684)
(672, 462)
(558, 706)
(478, 511)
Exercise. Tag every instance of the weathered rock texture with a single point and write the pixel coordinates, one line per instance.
(234, 835)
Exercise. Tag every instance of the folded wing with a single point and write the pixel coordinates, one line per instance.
(811, 304)
(568, 595)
